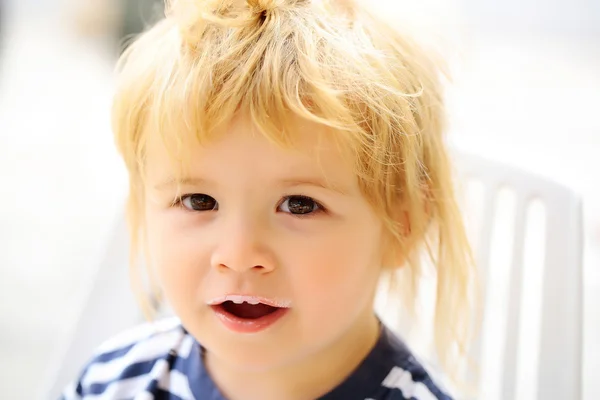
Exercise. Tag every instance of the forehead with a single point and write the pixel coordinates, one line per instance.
(306, 148)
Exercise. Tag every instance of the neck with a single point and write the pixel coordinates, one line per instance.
(308, 378)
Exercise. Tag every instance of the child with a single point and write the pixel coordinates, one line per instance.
(284, 155)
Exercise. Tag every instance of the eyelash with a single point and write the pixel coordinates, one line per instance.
(178, 202)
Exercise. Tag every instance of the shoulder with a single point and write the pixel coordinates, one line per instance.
(408, 377)
(128, 361)
(412, 383)
(153, 333)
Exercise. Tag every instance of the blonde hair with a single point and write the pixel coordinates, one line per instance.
(328, 61)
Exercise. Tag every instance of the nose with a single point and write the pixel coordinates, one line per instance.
(242, 247)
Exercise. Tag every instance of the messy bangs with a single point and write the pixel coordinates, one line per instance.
(326, 62)
(197, 68)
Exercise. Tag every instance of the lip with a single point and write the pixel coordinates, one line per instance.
(251, 299)
(244, 325)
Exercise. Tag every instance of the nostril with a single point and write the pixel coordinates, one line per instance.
(263, 269)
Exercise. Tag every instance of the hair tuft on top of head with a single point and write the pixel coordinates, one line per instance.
(194, 17)
(268, 5)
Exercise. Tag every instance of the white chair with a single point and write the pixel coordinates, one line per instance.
(559, 374)
(111, 307)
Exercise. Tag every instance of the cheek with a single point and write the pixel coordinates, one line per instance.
(176, 256)
(340, 265)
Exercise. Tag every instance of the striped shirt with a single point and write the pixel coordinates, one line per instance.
(161, 361)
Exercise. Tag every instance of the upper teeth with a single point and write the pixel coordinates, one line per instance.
(240, 300)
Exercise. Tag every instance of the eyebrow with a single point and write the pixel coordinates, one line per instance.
(288, 182)
(320, 183)
(183, 182)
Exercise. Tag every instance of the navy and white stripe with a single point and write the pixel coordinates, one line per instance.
(161, 361)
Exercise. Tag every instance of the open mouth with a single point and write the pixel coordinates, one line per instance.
(248, 314)
(247, 310)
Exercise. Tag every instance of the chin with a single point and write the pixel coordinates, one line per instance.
(252, 358)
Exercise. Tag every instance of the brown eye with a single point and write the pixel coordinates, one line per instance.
(199, 202)
(299, 205)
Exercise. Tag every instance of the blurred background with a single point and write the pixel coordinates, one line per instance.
(526, 91)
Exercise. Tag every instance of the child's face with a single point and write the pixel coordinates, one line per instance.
(246, 231)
